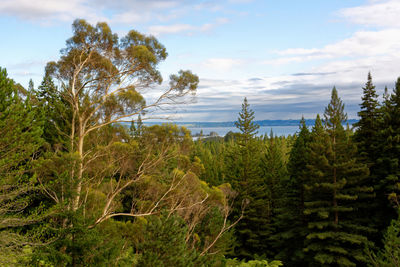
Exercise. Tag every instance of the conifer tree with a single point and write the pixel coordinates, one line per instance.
(290, 220)
(31, 86)
(366, 138)
(56, 113)
(332, 192)
(275, 177)
(244, 174)
(164, 243)
(387, 167)
(389, 255)
(212, 154)
(246, 125)
(367, 126)
(246, 147)
(20, 139)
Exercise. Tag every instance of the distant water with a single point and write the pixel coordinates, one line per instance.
(222, 131)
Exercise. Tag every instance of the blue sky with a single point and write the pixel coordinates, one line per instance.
(284, 56)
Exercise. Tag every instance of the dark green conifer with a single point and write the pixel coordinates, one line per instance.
(275, 176)
(164, 243)
(56, 113)
(20, 139)
(289, 219)
(389, 255)
(211, 154)
(243, 172)
(332, 192)
(366, 138)
(386, 170)
(367, 126)
(31, 86)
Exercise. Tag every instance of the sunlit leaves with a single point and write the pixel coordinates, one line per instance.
(184, 79)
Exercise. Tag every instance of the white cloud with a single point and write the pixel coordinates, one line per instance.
(295, 59)
(122, 11)
(290, 96)
(119, 12)
(185, 28)
(221, 64)
(168, 29)
(361, 44)
(373, 44)
(48, 10)
(376, 13)
(298, 51)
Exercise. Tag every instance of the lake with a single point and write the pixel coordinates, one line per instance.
(222, 131)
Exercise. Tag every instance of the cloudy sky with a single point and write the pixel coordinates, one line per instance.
(284, 56)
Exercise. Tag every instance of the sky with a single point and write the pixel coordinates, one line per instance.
(284, 56)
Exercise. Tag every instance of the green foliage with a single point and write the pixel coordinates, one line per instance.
(289, 220)
(390, 254)
(163, 243)
(211, 154)
(243, 171)
(92, 170)
(367, 141)
(20, 133)
(256, 167)
(386, 168)
(332, 192)
(98, 194)
(56, 114)
(245, 124)
(109, 244)
(275, 176)
(367, 126)
(253, 263)
(20, 139)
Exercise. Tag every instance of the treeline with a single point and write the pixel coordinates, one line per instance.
(79, 188)
(327, 196)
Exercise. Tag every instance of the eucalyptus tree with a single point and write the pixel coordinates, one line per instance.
(104, 80)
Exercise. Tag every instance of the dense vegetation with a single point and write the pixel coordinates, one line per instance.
(79, 188)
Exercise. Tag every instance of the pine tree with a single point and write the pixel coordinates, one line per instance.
(138, 129)
(20, 132)
(275, 177)
(290, 220)
(20, 139)
(386, 170)
(212, 154)
(366, 138)
(31, 86)
(367, 126)
(389, 255)
(332, 192)
(56, 112)
(246, 148)
(245, 124)
(164, 243)
(243, 173)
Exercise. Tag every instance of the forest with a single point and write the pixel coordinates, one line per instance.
(83, 181)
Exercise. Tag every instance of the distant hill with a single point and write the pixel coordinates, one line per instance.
(309, 122)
